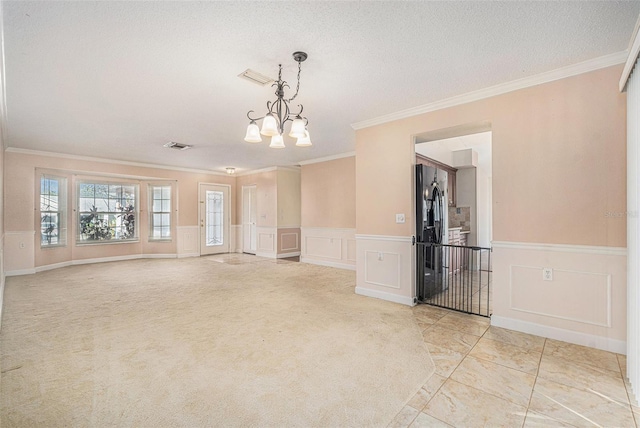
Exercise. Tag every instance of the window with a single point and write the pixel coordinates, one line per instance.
(52, 211)
(107, 212)
(160, 212)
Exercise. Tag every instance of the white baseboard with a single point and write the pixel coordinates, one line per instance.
(19, 272)
(1, 297)
(584, 339)
(385, 296)
(185, 255)
(90, 261)
(327, 263)
(285, 255)
(268, 255)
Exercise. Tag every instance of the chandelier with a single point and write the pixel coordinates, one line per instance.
(279, 113)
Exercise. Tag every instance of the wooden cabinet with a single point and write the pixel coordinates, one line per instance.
(451, 176)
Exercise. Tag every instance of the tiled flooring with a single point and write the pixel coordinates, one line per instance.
(488, 376)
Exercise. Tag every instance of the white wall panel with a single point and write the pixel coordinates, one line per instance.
(188, 241)
(329, 246)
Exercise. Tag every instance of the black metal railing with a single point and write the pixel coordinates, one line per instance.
(454, 277)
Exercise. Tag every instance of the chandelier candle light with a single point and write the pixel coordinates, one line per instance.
(278, 113)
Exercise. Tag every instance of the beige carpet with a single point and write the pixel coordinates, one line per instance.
(230, 340)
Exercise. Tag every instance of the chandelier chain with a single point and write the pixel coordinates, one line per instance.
(298, 85)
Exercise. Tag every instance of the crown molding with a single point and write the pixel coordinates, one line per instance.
(269, 169)
(634, 51)
(109, 161)
(328, 158)
(503, 88)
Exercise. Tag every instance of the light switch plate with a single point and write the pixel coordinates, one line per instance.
(399, 218)
(547, 274)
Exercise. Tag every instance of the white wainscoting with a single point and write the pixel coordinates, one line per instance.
(19, 252)
(327, 246)
(267, 238)
(188, 241)
(584, 303)
(385, 268)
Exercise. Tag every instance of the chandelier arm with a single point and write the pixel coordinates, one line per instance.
(300, 112)
(253, 119)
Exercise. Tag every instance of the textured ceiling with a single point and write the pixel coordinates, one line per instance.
(119, 79)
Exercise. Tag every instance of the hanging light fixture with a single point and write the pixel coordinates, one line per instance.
(279, 113)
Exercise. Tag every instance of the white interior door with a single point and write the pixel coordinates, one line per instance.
(249, 210)
(214, 219)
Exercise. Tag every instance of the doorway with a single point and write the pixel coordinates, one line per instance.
(249, 214)
(214, 219)
(455, 272)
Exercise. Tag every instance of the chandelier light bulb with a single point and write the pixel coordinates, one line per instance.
(269, 126)
(253, 133)
(304, 141)
(277, 142)
(297, 128)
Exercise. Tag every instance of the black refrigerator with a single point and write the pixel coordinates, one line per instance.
(431, 228)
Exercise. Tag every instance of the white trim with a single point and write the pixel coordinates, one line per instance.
(503, 88)
(185, 255)
(53, 266)
(328, 158)
(584, 339)
(110, 161)
(313, 261)
(285, 255)
(404, 300)
(19, 272)
(384, 238)
(338, 229)
(634, 51)
(293, 168)
(266, 255)
(287, 227)
(563, 248)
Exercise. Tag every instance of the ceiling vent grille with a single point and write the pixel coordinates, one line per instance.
(255, 77)
(177, 146)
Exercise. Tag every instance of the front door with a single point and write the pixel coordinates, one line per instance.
(214, 219)
(249, 211)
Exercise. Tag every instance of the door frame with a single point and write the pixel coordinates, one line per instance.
(255, 187)
(227, 229)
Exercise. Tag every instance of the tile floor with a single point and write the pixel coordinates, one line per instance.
(488, 376)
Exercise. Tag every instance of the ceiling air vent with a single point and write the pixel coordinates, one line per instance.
(177, 146)
(255, 77)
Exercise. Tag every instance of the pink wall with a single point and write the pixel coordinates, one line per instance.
(329, 193)
(21, 204)
(559, 173)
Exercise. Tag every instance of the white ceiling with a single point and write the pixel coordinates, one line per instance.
(119, 79)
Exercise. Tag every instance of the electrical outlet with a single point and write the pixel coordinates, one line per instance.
(399, 218)
(547, 274)
(380, 257)
(22, 245)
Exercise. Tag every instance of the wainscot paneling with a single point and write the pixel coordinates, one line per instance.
(584, 302)
(385, 268)
(328, 246)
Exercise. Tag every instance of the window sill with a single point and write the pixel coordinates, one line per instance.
(107, 242)
(52, 246)
(160, 240)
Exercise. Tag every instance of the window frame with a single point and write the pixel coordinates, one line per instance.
(113, 240)
(61, 211)
(151, 223)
